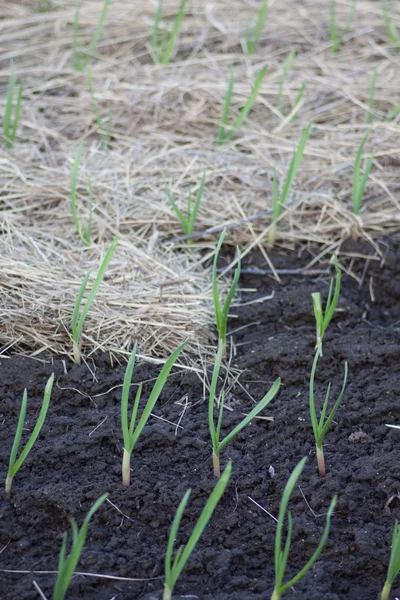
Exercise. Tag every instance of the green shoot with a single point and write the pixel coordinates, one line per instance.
(173, 568)
(9, 132)
(44, 5)
(218, 445)
(360, 181)
(164, 45)
(84, 234)
(322, 319)
(81, 56)
(67, 565)
(15, 463)
(221, 314)
(278, 203)
(321, 426)
(104, 132)
(130, 433)
(335, 39)
(282, 554)
(394, 112)
(222, 135)
(285, 69)
(394, 564)
(78, 321)
(391, 30)
(372, 95)
(253, 33)
(188, 221)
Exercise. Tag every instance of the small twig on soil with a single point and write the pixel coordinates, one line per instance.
(262, 508)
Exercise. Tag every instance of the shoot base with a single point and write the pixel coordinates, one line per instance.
(126, 468)
(9, 481)
(385, 595)
(321, 462)
(167, 593)
(216, 465)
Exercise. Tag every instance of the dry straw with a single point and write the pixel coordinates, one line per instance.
(164, 120)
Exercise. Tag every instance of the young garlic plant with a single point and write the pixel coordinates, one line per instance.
(189, 220)
(221, 313)
(129, 431)
(83, 232)
(322, 318)
(15, 463)
(360, 180)
(282, 553)
(320, 426)
(253, 32)
(164, 45)
(67, 565)
(336, 39)
(173, 568)
(278, 202)
(218, 445)
(371, 97)
(285, 69)
(81, 56)
(223, 135)
(9, 132)
(78, 321)
(391, 29)
(394, 563)
(104, 130)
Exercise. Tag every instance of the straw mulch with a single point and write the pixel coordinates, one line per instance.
(163, 125)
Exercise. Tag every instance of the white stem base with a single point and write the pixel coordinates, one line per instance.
(167, 593)
(126, 468)
(9, 481)
(321, 462)
(216, 465)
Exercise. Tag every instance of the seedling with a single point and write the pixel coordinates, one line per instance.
(321, 426)
(336, 39)
(84, 233)
(394, 112)
(285, 69)
(223, 135)
(360, 181)
(104, 132)
(130, 433)
(281, 554)
(391, 29)
(164, 45)
(253, 33)
(173, 568)
(218, 445)
(78, 321)
(221, 314)
(67, 565)
(9, 132)
(81, 56)
(278, 203)
(188, 221)
(394, 563)
(372, 95)
(44, 5)
(15, 463)
(322, 319)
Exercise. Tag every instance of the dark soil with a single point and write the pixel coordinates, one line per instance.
(78, 457)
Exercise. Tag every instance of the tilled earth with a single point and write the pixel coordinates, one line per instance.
(78, 455)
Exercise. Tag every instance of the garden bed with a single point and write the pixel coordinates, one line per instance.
(78, 455)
